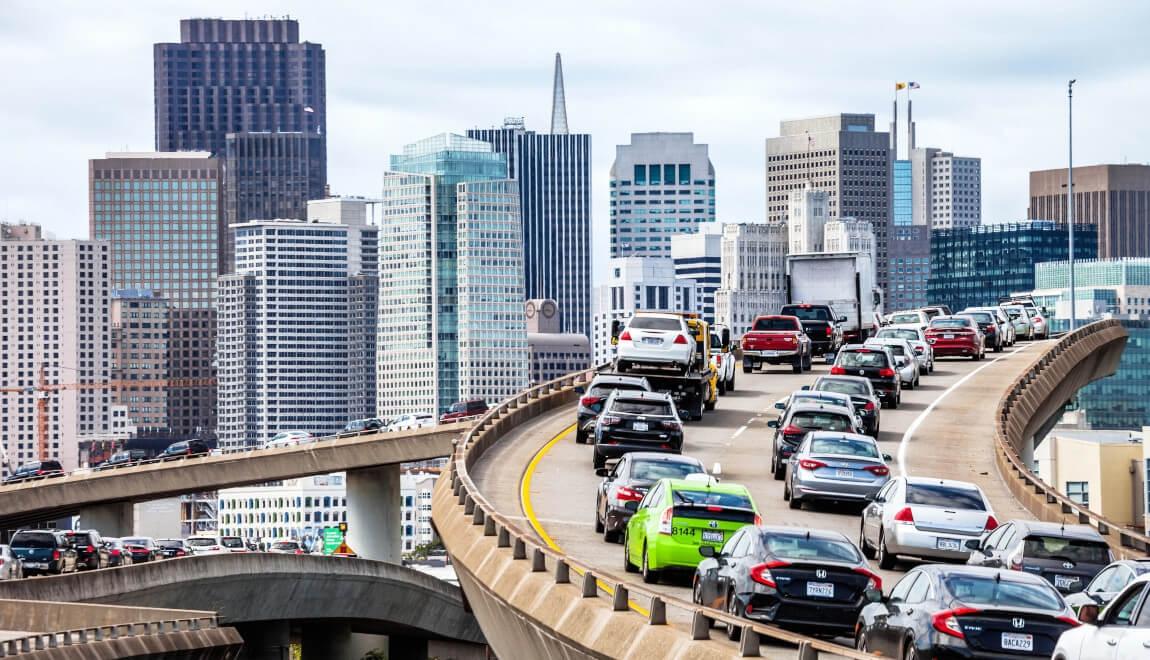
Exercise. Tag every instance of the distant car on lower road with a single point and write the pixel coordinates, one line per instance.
(123, 458)
(141, 548)
(286, 547)
(90, 551)
(464, 409)
(43, 551)
(412, 421)
(173, 548)
(118, 554)
(35, 470)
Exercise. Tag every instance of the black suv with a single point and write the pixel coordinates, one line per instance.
(876, 364)
(820, 323)
(43, 551)
(637, 421)
(35, 470)
(123, 459)
(183, 449)
(90, 550)
(1068, 556)
(592, 400)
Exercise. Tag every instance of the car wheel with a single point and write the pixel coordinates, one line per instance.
(893, 402)
(650, 576)
(787, 492)
(696, 591)
(909, 651)
(598, 461)
(886, 560)
(731, 383)
(862, 644)
(797, 366)
(867, 551)
(598, 521)
(580, 438)
(807, 362)
(794, 502)
(627, 565)
(733, 631)
(748, 367)
(722, 387)
(610, 536)
(910, 385)
(777, 469)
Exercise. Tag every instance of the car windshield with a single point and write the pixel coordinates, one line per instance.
(766, 325)
(951, 497)
(950, 324)
(986, 590)
(285, 545)
(141, 542)
(825, 421)
(843, 387)
(232, 542)
(201, 543)
(896, 333)
(34, 541)
(807, 313)
(844, 447)
(641, 407)
(802, 548)
(1075, 550)
(862, 359)
(1013, 313)
(655, 470)
(905, 318)
(713, 498)
(656, 323)
(981, 317)
(170, 543)
(897, 349)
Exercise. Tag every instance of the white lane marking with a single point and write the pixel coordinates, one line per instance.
(741, 429)
(905, 442)
(752, 420)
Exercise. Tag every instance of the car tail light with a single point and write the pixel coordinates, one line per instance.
(298, 551)
(919, 349)
(665, 521)
(991, 523)
(837, 371)
(886, 373)
(869, 405)
(810, 464)
(878, 470)
(90, 549)
(625, 494)
(874, 581)
(904, 515)
(762, 573)
(626, 336)
(830, 331)
(590, 400)
(1074, 623)
(680, 339)
(672, 425)
(719, 359)
(115, 552)
(758, 519)
(55, 555)
(789, 339)
(990, 329)
(946, 621)
(214, 547)
(180, 553)
(609, 420)
(793, 430)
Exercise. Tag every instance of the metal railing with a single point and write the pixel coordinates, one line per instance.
(11, 648)
(525, 545)
(1022, 480)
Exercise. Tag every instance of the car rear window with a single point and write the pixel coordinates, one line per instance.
(875, 358)
(285, 545)
(33, 541)
(825, 421)
(807, 313)
(201, 543)
(1075, 550)
(141, 542)
(950, 323)
(766, 325)
(232, 542)
(894, 333)
(170, 543)
(906, 318)
(897, 349)
(641, 407)
(656, 323)
(843, 387)
(951, 497)
(981, 317)
(606, 389)
(713, 498)
(801, 548)
(844, 447)
(1013, 313)
(655, 470)
(986, 590)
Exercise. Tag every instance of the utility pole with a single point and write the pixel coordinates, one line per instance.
(1070, 197)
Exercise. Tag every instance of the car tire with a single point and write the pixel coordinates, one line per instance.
(722, 387)
(709, 405)
(731, 383)
(628, 567)
(893, 403)
(794, 502)
(733, 632)
(867, 551)
(910, 385)
(797, 366)
(778, 470)
(580, 437)
(598, 461)
(886, 560)
(808, 362)
(696, 591)
(786, 492)
(748, 367)
(599, 526)
(862, 644)
(610, 536)
(909, 651)
(650, 576)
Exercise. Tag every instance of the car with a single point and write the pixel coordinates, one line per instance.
(184, 449)
(821, 324)
(464, 409)
(123, 458)
(43, 551)
(286, 547)
(625, 483)
(1068, 556)
(676, 516)
(412, 421)
(1002, 321)
(915, 318)
(876, 365)
(203, 544)
(835, 466)
(637, 421)
(905, 362)
(288, 439)
(172, 548)
(957, 336)
(1119, 632)
(802, 418)
(924, 517)
(141, 548)
(810, 396)
(866, 402)
(655, 339)
(1023, 326)
(233, 544)
(11, 567)
(1038, 321)
(916, 337)
(592, 400)
(988, 324)
(1109, 582)
(361, 425)
(723, 358)
(811, 581)
(118, 555)
(939, 611)
(936, 310)
(777, 339)
(90, 551)
(35, 470)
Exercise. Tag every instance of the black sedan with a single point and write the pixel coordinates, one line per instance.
(812, 581)
(939, 611)
(172, 548)
(861, 392)
(627, 482)
(636, 421)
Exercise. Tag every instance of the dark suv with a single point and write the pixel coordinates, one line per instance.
(592, 400)
(876, 364)
(43, 551)
(1068, 556)
(123, 459)
(90, 550)
(637, 421)
(820, 323)
(35, 470)
(462, 409)
(183, 449)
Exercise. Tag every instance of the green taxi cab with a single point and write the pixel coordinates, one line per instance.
(677, 516)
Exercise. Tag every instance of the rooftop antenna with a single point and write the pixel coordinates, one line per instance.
(558, 101)
(809, 185)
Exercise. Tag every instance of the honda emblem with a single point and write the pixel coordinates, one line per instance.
(1067, 564)
(1018, 622)
(712, 524)
(821, 574)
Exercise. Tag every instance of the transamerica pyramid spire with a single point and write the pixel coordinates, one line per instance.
(559, 101)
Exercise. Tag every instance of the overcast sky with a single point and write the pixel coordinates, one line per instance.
(77, 81)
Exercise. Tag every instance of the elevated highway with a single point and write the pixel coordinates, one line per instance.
(517, 514)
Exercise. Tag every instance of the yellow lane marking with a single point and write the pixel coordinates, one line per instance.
(529, 510)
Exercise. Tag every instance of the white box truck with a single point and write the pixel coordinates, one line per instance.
(843, 280)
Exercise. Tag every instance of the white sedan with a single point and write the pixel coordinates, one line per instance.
(411, 421)
(1121, 631)
(914, 335)
(662, 340)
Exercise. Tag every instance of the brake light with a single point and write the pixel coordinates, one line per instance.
(878, 470)
(758, 519)
(1074, 623)
(886, 373)
(869, 405)
(762, 573)
(665, 521)
(180, 553)
(904, 515)
(874, 581)
(55, 555)
(625, 494)
(991, 523)
(790, 339)
(946, 621)
(626, 336)
(115, 552)
(837, 371)
(793, 430)
(680, 339)
(714, 509)
(719, 359)
(91, 549)
(609, 420)
(809, 464)
(671, 426)
(830, 331)
(590, 400)
(919, 349)
(990, 329)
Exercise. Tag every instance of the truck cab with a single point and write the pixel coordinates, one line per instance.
(821, 324)
(777, 339)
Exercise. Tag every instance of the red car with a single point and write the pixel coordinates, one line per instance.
(957, 335)
(464, 409)
(776, 339)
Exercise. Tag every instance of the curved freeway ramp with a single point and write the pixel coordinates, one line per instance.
(517, 515)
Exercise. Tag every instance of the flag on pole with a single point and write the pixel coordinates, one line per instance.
(899, 85)
(912, 85)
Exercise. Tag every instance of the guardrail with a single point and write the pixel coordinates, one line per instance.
(1028, 487)
(18, 646)
(525, 545)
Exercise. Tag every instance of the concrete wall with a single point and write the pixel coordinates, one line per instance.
(44, 616)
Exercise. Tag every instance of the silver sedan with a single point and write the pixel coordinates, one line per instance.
(904, 359)
(829, 465)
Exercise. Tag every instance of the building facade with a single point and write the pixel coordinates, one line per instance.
(552, 353)
(1100, 470)
(1114, 197)
(662, 184)
(807, 214)
(976, 265)
(947, 189)
(161, 216)
(56, 329)
(848, 235)
(699, 257)
(296, 509)
(637, 283)
(753, 274)
(908, 267)
(139, 342)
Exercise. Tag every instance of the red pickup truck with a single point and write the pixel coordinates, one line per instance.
(776, 339)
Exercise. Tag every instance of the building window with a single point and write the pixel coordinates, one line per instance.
(1079, 492)
(640, 174)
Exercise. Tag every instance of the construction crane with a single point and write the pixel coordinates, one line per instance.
(44, 389)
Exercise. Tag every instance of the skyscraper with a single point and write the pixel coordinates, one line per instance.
(554, 175)
(947, 189)
(160, 213)
(1114, 197)
(807, 214)
(753, 279)
(662, 184)
(699, 257)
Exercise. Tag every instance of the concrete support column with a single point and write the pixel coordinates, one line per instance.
(329, 640)
(114, 519)
(269, 640)
(373, 513)
(406, 648)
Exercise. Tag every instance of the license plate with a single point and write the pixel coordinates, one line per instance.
(821, 589)
(948, 336)
(845, 473)
(1017, 642)
(652, 340)
(1064, 581)
(769, 353)
(949, 544)
(712, 537)
(640, 426)
(35, 564)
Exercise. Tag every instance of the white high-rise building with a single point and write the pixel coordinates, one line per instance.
(947, 190)
(699, 257)
(807, 214)
(646, 283)
(56, 300)
(754, 274)
(849, 235)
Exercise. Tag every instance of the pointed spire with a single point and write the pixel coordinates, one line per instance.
(558, 101)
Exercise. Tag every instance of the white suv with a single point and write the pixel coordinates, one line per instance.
(722, 359)
(412, 421)
(655, 339)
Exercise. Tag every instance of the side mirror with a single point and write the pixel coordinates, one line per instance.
(842, 319)
(774, 424)
(874, 595)
(887, 457)
(781, 405)
(603, 472)
(974, 544)
(1088, 613)
(717, 470)
(706, 551)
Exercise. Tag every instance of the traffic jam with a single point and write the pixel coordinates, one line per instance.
(974, 586)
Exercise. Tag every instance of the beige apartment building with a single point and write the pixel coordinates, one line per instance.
(1101, 470)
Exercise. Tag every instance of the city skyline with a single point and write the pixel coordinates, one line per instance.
(1007, 105)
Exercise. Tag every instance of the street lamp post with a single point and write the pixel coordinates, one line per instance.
(1070, 197)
